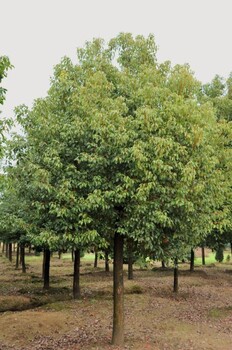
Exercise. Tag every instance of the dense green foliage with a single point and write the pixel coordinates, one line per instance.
(124, 143)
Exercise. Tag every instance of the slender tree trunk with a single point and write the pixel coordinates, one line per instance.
(43, 263)
(230, 247)
(10, 252)
(76, 275)
(163, 264)
(22, 257)
(3, 247)
(118, 315)
(14, 247)
(192, 260)
(7, 250)
(95, 259)
(203, 255)
(29, 249)
(59, 254)
(107, 265)
(175, 287)
(17, 257)
(47, 256)
(72, 255)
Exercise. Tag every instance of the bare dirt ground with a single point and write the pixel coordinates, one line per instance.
(198, 318)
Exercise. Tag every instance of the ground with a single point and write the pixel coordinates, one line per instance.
(199, 317)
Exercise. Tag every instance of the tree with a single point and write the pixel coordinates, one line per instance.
(123, 148)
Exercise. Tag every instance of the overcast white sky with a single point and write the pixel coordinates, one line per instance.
(35, 34)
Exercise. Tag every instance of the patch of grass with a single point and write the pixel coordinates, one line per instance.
(220, 312)
(210, 259)
(14, 303)
(134, 289)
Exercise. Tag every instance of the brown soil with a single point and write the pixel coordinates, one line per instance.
(198, 318)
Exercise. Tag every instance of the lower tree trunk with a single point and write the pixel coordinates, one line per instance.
(43, 263)
(107, 266)
(192, 260)
(163, 264)
(47, 258)
(203, 255)
(76, 275)
(118, 314)
(59, 254)
(17, 257)
(3, 248)
(7, 250)
(10, 252)
(175, 287)
(72, 255)
(22, 257)
(95, 259)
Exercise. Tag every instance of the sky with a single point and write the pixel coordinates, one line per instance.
(36, 34)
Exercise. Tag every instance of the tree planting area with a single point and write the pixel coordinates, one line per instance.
(198, 317)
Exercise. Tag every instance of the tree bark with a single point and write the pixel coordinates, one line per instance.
(203, 255)
(107, 266)
(76, 275)
(163, 264)
(47, 258)
(10, 252)
(3, 247)
(17, 257)
(192, 260)
(95, 259)
(7, 250)
(43, 264)
(175, 287)
(118, 314)
(59, 254)
(22, 257)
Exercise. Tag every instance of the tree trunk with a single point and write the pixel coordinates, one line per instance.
(3, 247)
(192, 260)
(76, 275)
(72, 255)
(10, 252)
(175, 288)
(43, 264)
(203, 255)
(59, 254)
(118, 315)
(47, 258)
(7, 250)
(22, 257)
(163, 264)
(107, 266)
(95, 259)
(17, 257)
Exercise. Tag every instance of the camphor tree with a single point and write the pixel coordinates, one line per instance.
(122, 147)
